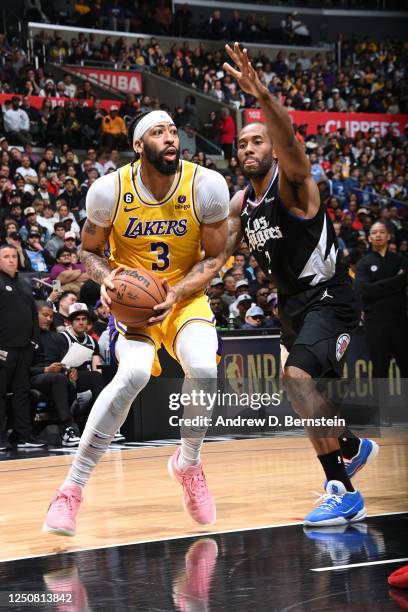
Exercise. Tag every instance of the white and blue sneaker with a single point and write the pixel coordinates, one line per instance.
(368, 450)
(338, 507)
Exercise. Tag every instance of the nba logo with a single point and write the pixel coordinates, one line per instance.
(234, 371)
(181, 199)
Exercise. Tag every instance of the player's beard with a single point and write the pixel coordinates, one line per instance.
(262, 170)
(157, 160)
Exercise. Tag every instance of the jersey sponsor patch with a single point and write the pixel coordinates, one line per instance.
(341, 345)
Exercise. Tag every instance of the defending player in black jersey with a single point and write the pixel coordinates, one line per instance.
(292, 238)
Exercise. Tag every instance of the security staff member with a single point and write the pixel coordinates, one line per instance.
(381, 283)
(18, 335)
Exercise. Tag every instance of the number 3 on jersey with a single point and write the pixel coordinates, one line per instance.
(162, 251)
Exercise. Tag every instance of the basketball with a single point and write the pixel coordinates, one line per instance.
(136, 293)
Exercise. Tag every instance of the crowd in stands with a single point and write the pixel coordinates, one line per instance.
(157, 18)
(371, 78)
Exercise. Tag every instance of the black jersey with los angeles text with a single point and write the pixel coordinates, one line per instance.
(301, 256)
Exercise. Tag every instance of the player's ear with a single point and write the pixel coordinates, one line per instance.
(138, 146)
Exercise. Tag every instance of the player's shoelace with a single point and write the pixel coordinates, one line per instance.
(65, 502)
(196, 485)
(329, 500)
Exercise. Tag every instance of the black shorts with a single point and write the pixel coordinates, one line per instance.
(324, 359)
(321, 344)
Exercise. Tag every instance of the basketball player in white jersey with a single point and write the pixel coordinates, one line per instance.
(160, 214)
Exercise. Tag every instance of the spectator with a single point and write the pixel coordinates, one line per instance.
(71, 196)
(44, 193)
(228, 297)
(216, 306)
(70, 242)
(61, 320)
(39, 258)
(254, 318)
(47, 219)
(241, 288)
(261, 298)
(243, 303)
(89, 380)
(216, 288)
(381, 281)
(18, 336)
(29, 174)
(227, 130)
(69, 86)
(215, 27)
(71, 275)
(24, 263)
(101, 322)
(130, 107)
(92, 156)
(272, 321)
(31, 225)
(113, 130)
(113, 162)
(67, 217)
(17, 123)
(49, 375)
(56, 241)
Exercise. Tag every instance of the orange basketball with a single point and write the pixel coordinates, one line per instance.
(136, 292)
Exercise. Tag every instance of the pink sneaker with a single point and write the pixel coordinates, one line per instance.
(198, 501)
(191, 589)
(68, 581)
(60, 518)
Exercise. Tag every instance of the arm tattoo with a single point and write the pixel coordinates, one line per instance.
(94, 261)
(90, 228)
(206, 264)
(96, 266)
(198, 277)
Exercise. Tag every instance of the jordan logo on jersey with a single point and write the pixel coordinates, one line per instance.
(137, 227)
(261, 233)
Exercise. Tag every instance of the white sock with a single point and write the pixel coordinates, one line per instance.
(190, 452)
(111, 408)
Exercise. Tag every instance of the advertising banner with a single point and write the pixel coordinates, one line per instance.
(353, 122)
(38, 101)
(128, 82)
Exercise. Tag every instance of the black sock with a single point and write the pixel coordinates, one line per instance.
(334, 468)
(349, 444)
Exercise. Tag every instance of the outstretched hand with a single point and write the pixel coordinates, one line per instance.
(246, 76)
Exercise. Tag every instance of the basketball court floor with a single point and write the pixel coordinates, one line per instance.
(135, 549)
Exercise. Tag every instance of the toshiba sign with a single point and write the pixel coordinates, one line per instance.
(128, 82)
(353, 122)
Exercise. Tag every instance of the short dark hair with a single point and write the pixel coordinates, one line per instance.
(7, 246)
(62, 250)
(65, 293)
(42, 304)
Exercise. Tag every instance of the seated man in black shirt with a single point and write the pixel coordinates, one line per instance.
(89, 379)
(49, 375)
